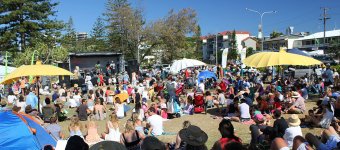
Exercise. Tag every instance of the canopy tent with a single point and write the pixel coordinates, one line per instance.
(178, 65)
(205, 75)
(298, 52)
(35, 70)
(3, 71)
(266, 59)
(16, 132)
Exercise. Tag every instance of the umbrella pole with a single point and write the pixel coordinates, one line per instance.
(38, 94)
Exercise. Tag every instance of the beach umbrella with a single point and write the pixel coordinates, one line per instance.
(35, 70)
(108, 145)
(122, 96)
(266, 59)
(178, 65)
(21, 131)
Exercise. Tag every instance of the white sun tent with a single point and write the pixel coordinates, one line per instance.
(3, 69)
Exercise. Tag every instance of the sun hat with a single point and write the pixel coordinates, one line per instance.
(3, 102)
(193, 135)
(294, 120)
(295, 94)
(259, 117)
(75, 85)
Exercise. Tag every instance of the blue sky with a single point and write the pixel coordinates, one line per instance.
(217, 15)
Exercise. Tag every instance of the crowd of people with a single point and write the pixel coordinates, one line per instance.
(248, 97)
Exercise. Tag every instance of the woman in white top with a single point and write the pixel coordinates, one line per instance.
(112, 129)
(293, 130)
(21, 103)
(119, 108)
(11, 98)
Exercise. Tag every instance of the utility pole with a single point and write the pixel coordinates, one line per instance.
(324, 18)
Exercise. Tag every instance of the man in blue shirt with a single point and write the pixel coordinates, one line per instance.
(32, 99)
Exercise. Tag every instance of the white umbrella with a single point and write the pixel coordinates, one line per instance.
(178, 65)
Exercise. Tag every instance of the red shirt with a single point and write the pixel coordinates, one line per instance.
(225, 141)
(223, 86)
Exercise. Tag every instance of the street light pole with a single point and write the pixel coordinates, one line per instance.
(260, 36)
(216, 50)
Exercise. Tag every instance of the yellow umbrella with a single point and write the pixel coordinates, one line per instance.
(266, 59)
(122, 97)
(35, 70)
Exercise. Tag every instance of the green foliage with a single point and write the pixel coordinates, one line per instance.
(337, 67)
(24, 22)
(275, 34)
(42, 52)
(335, 48)
(250, 51)
(69, 39)
(232, 53)
(98, 40)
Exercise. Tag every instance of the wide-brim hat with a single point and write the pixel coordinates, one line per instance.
(193, 135)
(295, 95)
(3, 102)
(75, 85)
(294, 120)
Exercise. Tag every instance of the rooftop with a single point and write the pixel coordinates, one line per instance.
(94, 53)
(317, 35)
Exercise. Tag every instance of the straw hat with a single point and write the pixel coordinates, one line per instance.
(75, 85)
(296, 94)
(3, 102)
(294, 120)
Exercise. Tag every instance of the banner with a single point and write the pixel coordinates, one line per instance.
(243, 56)
(224, 58)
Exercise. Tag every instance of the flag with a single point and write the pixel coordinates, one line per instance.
(224, 58)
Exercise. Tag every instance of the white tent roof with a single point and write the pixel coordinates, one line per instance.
(318, 35)
(3, 68)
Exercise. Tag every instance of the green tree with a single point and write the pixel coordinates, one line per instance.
(275, 34)
(43, 52)
(23, 22)
(250, 51)
(69, 39)
(232, 53)
(98, 40)
(199, 43)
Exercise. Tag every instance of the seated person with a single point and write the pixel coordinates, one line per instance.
(220, 100)
(280, 124)
(48, 110)
(321, 120)
(189, 109)
(244, 112)
(299, 143)
(232, 108)
(154, 122)
(298, 106)
(227, 135)
(257, 135)
(208, 99)
(329, 139)
(83, 111)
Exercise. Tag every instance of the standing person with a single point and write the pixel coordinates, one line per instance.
(293, 130)
(113, 68)
(328, 76)
(155, 123)
(23, 85)
(227, 132)
(131, 138)
(32, 99)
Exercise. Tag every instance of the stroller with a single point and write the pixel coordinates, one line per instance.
(173, 109)
(199, 105)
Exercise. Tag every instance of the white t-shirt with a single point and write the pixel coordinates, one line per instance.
(120, 110)
(156, 122)
(221, 98)
(244, 110)
(290, 134)
(201, 86)
(22, 105)
(11, 98)
(77, 99)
